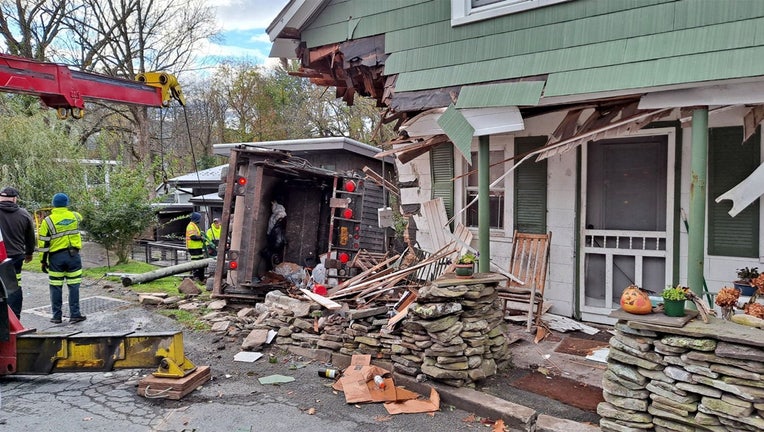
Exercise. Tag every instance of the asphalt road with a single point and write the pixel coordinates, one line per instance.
(234, 400)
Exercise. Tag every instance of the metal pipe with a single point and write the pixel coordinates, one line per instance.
(697, 220)
(484, 204)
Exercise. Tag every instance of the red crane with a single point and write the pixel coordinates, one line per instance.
(66, 90)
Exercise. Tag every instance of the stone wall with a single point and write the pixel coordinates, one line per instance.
(454, 332)
(698, 377)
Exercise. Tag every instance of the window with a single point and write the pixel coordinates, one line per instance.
(496, 193)
(530, 203)
(467, 11)
(729, 163)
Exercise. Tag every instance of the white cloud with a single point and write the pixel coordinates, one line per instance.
(247, 14)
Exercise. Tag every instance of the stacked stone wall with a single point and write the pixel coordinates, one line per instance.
(700, 377)
(454, 332)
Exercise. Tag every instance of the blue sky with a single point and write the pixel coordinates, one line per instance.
(243, 24)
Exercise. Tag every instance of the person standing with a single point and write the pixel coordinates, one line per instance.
(60, 243)
(17, 227)
(213, 237)
(195, 244)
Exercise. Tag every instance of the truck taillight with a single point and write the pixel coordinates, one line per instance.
(241, 183)
(350, 186)
(347, 213)
(233, 265)
(344, 258)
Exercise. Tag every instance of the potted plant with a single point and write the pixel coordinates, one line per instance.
(745, 276)
(673, 301)
(465, 265)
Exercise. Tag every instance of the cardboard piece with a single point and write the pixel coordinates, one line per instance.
(357, 382)
(413, 406)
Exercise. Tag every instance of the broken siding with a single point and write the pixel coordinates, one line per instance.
(584, 46)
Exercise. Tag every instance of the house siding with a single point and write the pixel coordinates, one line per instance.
(582, 46)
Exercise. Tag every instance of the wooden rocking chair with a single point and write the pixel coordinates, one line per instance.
(528, 263)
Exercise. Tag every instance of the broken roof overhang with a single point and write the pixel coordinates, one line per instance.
(461, 125)
(293, 17)
(742, 93)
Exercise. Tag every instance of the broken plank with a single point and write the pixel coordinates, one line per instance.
(323, 301)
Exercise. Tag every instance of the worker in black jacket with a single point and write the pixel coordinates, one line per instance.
(17, 227)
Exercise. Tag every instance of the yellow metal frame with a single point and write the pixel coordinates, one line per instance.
(81, 352)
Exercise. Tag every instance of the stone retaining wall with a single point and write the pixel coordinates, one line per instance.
(699, 377)
(454, 333)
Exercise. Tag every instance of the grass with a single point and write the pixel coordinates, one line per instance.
(167, 285)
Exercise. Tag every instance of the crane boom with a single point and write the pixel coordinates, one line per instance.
(64, 89)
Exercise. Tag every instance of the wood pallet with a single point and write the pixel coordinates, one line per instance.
(153, 387)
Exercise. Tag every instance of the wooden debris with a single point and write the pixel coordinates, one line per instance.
(153, 387)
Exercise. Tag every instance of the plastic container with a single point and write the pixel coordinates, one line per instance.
(328, 373)
(379, 381)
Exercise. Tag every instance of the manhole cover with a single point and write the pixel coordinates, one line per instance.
(87, 305)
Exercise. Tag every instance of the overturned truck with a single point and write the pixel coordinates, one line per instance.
(279, 209)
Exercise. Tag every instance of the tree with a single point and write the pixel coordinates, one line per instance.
(119, 212)
(39, 155)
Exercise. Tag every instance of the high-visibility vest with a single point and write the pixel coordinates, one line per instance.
(192, 229)
(213, 233)
(60, 230)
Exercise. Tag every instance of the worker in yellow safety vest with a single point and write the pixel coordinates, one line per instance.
(60, 242)
(213, 237)
(195, 244)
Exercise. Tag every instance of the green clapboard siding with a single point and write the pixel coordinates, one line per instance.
(458, 129)
(370, 21)
(729, 163)
(530, 203)
(500, 95)
(442, 168)
(581, 46)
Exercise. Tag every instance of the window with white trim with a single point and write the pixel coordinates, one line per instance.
(467, 11)
(497, 193)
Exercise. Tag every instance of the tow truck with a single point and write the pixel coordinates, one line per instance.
(24, 351)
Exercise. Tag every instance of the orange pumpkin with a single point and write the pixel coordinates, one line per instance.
(635, 300)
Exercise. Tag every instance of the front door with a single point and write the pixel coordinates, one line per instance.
(626, 235)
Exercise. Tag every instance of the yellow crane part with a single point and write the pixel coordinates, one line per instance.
(45, 353)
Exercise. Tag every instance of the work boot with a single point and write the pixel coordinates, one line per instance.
(73, 320)
(55, 320)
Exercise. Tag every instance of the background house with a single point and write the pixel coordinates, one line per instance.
(605, 122)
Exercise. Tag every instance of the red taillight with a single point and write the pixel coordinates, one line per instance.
(233, 265)
(344, 258)
(241, 181)
(347, 213)
(350, 186)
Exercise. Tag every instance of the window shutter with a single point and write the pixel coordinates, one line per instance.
(729, 163)
(530, 189)
(442, 167)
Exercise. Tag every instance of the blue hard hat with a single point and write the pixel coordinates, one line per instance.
(196, 217)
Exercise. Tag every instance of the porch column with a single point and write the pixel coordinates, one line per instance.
(484, 204)
(697, 216)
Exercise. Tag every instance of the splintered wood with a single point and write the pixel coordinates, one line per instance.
(380, 279)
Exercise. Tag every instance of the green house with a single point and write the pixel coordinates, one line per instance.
(622, 126)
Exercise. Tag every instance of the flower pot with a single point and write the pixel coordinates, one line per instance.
(464, 270)
(673, 308)
(745, 289)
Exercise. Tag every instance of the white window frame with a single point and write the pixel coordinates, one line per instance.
(462, 11)
(502, 143)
